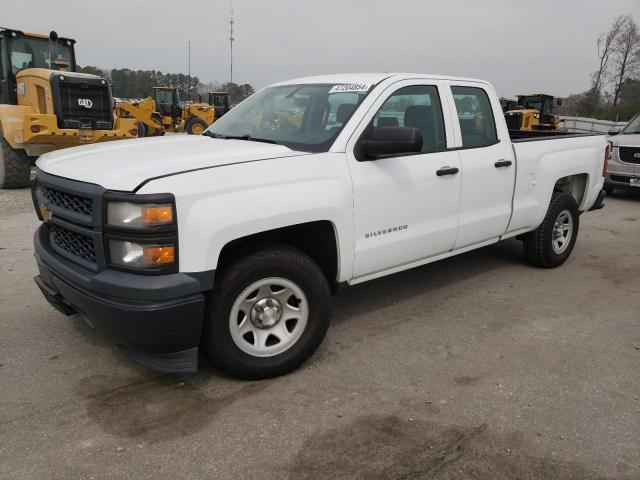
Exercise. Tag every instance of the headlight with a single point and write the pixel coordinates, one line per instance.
(536, 115)
(139, 215)
(609, 150)
(140, 255)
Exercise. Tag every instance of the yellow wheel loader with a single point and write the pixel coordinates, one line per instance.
(163, 112)
(144, 111)
(192, 118)
(220, 101)
(45, 105)
(533, 113)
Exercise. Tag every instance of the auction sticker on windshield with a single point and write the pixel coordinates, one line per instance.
(350, 87)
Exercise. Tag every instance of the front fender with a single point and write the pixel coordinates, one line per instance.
(218, 205)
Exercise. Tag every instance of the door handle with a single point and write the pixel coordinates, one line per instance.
(503, 163)
(447, 171)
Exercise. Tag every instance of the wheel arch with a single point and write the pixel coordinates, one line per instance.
(317, 239)
(576, 185)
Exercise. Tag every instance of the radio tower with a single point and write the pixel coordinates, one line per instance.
(231, 39)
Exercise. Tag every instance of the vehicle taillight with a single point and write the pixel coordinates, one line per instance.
(607, 156)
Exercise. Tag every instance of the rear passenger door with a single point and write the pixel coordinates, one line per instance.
(487, 165)
(405, 208)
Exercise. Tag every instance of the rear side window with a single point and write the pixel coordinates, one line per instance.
(418, 107)
(477, 125)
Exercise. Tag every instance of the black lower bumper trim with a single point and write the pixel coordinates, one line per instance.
(54, 298)
(182, 362)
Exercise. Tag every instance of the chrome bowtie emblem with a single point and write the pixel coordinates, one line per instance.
(45, 212)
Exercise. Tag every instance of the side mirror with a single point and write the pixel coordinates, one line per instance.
(390, 141)
(613, 132)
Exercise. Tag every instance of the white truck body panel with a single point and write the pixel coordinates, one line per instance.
(388, 215)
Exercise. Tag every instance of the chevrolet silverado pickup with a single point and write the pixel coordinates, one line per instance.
(232, 242)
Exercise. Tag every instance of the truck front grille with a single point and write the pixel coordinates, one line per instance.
(73, 243)
(69, 201)
(72, 212)
(629, 155)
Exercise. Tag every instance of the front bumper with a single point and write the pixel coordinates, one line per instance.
(157, 319)
(40, 134)
(621, 179)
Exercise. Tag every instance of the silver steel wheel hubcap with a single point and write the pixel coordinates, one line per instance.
(268, 317)
(562, 232)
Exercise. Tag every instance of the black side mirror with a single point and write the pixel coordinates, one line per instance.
(390, 141)
(613, 132)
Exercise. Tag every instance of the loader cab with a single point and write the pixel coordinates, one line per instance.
(20, 51)
(220, 101)
(508, 104)
(167, 101)
(541, 102)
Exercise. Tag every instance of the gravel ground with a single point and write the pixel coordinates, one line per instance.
(479, 366)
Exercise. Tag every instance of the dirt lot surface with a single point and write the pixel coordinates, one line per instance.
(475, 367)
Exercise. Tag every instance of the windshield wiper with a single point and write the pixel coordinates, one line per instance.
(248, 138)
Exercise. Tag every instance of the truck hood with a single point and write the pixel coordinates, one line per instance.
(125, 164)
(631, 140)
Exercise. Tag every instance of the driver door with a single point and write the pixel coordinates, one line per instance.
(405, 206)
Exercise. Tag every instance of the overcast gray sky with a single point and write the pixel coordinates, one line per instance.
(521, 46)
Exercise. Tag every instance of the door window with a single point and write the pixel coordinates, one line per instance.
(477, 125)
(417, 106)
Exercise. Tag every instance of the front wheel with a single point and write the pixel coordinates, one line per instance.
(15, 166)
(552, 242)
(195, 126)
(267, 315)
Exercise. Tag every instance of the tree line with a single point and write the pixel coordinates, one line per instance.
(127, 83)
(615, 85)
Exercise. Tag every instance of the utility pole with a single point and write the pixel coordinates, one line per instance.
(231, 39)
(189, 72)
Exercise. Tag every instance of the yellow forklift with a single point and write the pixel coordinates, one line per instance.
(533, 113)
(45, 105)
(163, 112)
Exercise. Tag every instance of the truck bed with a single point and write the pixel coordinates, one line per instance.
(518, 136)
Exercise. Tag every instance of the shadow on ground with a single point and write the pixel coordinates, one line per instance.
(386, 447)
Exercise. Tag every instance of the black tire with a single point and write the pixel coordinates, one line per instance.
(278, 261)
(15, 166)
(157, 132)
(195, 123)
(538, 245)
(142, 130)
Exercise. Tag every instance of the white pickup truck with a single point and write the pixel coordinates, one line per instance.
(232, 242)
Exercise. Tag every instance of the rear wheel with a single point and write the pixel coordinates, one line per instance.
(267, 314)
(195, 126)
(552, 242)
(15, 166)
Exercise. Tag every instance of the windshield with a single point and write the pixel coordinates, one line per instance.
(30, 52)
(632, 127)
(302, 117)
(164, 96)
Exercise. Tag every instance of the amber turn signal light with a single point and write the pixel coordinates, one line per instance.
(157, 214)
(159, 255)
